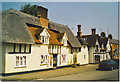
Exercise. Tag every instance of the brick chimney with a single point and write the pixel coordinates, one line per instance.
(79, 33)
(93, 31)
(42, 13)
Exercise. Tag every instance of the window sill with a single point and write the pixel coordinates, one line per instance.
(20, 67)
(43, 64)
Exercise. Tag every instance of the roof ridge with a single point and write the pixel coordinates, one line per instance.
(58, 23)
(20, 13)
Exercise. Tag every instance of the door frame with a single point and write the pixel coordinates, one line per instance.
(55, 55)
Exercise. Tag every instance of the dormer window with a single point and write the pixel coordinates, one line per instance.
(45, 39)
(44, 36)
(64, 39)
(64, 42)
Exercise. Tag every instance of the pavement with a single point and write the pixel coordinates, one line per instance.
(42, 75)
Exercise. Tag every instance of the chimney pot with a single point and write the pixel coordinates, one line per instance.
(93, 31)
(79, 33)
(79, 28)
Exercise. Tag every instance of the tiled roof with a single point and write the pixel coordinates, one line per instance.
(64, 28)
(103, 41)
(81, 40)
(60, 35)
(91, 39)
(34, 32)
(53, 36)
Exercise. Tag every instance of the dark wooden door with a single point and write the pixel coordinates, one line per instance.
(97, 58)
(54, 60)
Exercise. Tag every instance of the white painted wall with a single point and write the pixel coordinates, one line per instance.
(33, 59)
(2, 57)
(64, 51)
(108, 46)
(91, 54)
(80, 56)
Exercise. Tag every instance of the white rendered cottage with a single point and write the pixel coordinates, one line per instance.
(83, 54)
(33, 43)
(98, 47)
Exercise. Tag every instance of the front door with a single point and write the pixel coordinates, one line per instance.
(97, 58)
(54, 60)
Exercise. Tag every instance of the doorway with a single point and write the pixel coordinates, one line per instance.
(54, 60)
(97, 58)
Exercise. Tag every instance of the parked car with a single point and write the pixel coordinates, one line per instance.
(107, 65)
(117, 62)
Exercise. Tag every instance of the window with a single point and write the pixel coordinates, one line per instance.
(52, 48)
(45, 39)
(49, 49)
(63, 58)
(84, 46)
(43, 59)
(79, 49)
(42, 39)
(20, 61)
(84, 56)
(96, 48)
(106, 57)
(65, 42)
(21, 48)
(58, 49)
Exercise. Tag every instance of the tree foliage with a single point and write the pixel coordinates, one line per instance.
(29, 9)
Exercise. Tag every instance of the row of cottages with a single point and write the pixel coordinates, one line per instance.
(99, 47)
(34, 43)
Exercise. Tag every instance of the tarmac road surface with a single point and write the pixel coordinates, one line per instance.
(92, 75)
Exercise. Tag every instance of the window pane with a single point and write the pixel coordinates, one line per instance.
(22, 47)
(14, 47)
(17, 60)
(17, 48)
(46, 39)
(42, 39)
(41, 59)
(27, 47)
(24, 60)
(63, 58)
(58, 49)
(44, 59)
(20, 60)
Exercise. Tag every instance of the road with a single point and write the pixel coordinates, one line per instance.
(93, 75)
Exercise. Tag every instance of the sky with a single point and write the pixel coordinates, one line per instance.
(100, 15)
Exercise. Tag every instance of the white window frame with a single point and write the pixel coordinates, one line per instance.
(46, 39)
(20, 61)
(84, 56)
(46, 59)
(65, 42)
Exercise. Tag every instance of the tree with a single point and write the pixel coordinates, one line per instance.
(29, 9)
